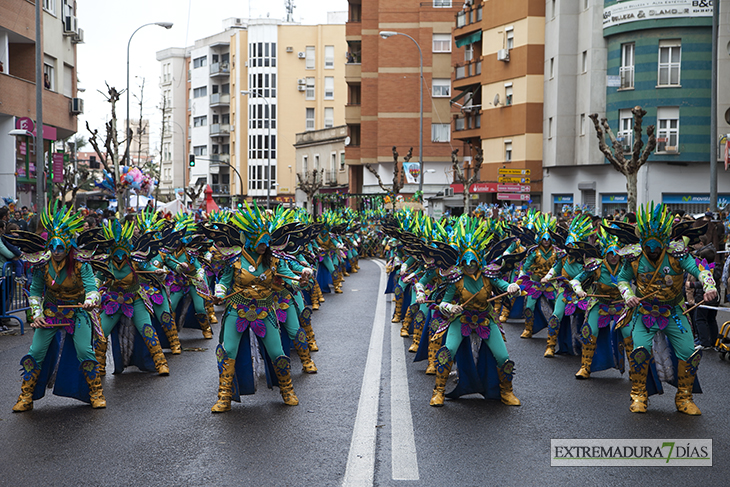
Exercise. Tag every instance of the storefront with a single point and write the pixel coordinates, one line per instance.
(559, 200)
(612, 202)
(693, 203)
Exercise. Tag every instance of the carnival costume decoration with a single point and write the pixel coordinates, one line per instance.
(62, 293)
(657, 265)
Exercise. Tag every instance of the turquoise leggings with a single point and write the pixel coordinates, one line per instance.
(682, 341)
(140, 317)
(291, 324)
(495, 341)
(42, 338)
(197, 300)
(559, 306)
(232, 337)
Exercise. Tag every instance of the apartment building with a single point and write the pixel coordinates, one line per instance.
(60, 34)
(383, 84)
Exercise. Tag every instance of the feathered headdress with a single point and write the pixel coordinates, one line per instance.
(254, 224)
(608, 242)
(121, 236)
(149, 221)
(185, 224)
(580, 229)
(543, 224)
(62, 226)
(654, 225)
(217, 217)
(471, 237)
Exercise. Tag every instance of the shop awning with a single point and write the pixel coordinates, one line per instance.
(470, 39)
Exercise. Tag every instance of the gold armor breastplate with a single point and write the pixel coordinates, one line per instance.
(479, 302)
(669, 286)
(540, 266)
(255, 287)
(70, 289)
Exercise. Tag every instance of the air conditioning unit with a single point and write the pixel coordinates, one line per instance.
(289, 49)
(76, 106)
(70, 25)
(448, 191)
(301, 87)
(301, 55)
(503, 55)
(78, 38)
(302, 81)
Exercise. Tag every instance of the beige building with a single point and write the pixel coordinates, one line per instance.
(298, 67)
(320, 154)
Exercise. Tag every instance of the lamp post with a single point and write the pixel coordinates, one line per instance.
(385, 34)
(268, 152)
(166, 25)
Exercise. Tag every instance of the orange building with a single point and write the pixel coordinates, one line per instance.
(383, 77)
(498, 88)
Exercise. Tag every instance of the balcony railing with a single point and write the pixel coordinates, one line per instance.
(220, 188)
(469, 121)
(467, 70)
(220, 99)
(220, 129)
(627, 77)
(220, 69)
(467, 17)
(220, 158)
(330, 177)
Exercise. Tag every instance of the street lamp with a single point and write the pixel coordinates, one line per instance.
(268, 152)
(40, 169)
(385, 34)
(166, 25)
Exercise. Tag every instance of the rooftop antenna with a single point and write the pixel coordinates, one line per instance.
(289, 5)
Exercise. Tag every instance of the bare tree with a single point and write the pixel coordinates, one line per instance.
(615, 153)
(464, 179)
(194, 192)
(399, 175)
(310, 186)
(109, 157)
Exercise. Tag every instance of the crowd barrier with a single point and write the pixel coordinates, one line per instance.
(14, 288)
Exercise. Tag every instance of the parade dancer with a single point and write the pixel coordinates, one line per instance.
(657, 266)
(62, 294)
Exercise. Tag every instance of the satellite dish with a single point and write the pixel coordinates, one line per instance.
(496, 100)
(347, 141)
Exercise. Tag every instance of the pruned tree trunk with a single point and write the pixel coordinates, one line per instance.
(399, 175)
(461, 177)
(311, 187)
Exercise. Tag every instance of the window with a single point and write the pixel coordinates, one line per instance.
(442, 3)
(441, 87)
(667, 137)
(625, 129)
(626, 71)
(468, 52)
(442, 43)
(166, 73)
(200, 150)
(510, 37)
(199, 62)
(670, 52)
(50, 6)
(200, 121)
(310, 118)
(440, 132)
(507, 151)
(200, 92)
(552, 67)
(49, 73)
(166, 153)
(68, 80)
(329, 88)
(333, 162)
(584, 62)
(507, 94)
(329, 57)
(342, 161)
(310, 89)
(316, 162)
(310, 57)
(305, 165)
(329, 118)
(582, 124)
(550, 128)
(554, 8)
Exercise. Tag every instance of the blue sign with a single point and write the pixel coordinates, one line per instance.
(695, 199)
(563, 198)
(614, 199)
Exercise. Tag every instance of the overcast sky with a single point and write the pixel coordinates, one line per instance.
(108, 26)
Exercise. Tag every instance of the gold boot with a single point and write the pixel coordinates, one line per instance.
(100, 353)
(504, 312)
(586, 359)
(31, 370)
(552, 339)
(418, 322)
(337, 282)
(226, 375)
(302, 348)
(628, 344)
(307, 325)
(444, 361)
(168, 325)
(211, 312)
(433, 347)
(505, 373)
(398, 298)
(320, 294)
(282, 369)
(529, 320)
(204, 325)
(639, 361)
(153, 345)
(407, 320)
(686, 373)
(91, 373)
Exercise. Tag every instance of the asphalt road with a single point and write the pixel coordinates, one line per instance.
(159, 430)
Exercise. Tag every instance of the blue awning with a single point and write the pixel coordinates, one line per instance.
(470, 39)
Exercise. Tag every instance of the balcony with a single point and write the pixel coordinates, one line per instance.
(220, 130)
(468, 69)
(220, 100)
(469, 20)
(352, 114)
(219, 69)
(221, 189)
(468, 125)
(330, 178)
(220, 159)
(353, 71)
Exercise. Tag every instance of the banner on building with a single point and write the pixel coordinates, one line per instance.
(413, 172)
(637, 10)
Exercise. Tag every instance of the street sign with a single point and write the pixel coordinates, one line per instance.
(518, 180)
(504, 170)
(513, 196)
(513, 188)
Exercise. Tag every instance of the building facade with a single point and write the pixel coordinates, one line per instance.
(18, 87)
(320, 159)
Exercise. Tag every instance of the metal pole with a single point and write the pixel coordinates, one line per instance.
(40, 162)
(713, 104)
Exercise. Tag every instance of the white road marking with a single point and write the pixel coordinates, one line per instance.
(403, 443)
(361, 460)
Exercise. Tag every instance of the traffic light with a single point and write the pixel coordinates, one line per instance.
(191, 161)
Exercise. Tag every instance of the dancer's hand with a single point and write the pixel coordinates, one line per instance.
(710, 295)
(513, 288)
(633, 302)
(581, 294)
(39, 322)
